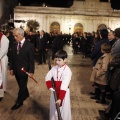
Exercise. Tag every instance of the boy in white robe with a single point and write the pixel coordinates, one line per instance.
(61, 74)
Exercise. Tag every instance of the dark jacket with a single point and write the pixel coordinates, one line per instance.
(112, 42)
(57, 43)
(41, 43)
(76, 42)
(25, 58)
(96, 53)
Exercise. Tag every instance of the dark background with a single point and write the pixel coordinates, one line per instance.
(54, 3)
(115, 4)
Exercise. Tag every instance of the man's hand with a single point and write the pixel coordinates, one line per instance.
(31, 75)
(58, 102)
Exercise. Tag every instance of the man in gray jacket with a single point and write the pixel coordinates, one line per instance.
(116, 46)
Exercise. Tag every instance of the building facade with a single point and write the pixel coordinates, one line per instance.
(83, 16)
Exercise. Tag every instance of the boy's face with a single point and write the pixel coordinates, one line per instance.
(60, 62)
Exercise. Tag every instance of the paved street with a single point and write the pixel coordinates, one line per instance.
(36, 107)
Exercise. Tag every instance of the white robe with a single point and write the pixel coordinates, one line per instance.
(65, 109)
(4, 44)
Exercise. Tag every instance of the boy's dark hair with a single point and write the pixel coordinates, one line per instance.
(61, 54)
(106, 47)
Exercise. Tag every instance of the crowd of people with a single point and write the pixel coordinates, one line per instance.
(105, 74)
(102, 47)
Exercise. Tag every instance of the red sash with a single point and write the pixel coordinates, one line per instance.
(0, 61)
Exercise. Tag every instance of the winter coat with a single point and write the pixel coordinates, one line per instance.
(99, 73)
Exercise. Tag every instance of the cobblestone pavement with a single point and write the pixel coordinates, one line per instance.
(36, 107)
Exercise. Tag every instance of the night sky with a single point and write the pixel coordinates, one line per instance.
(54, 3)
(115, 4)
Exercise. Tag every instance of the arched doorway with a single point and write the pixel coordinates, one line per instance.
(78, 27)
(101, 26)
(55, 27)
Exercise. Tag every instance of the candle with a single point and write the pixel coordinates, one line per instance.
(23, 70)
(28, 74)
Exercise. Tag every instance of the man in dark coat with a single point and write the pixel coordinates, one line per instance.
(57, 45)
(111, 38)
(115, 73)
(22, 56)
(96, 53)
(41, 47)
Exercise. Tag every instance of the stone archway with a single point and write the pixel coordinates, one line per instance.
(78, 27)
(101, 26)
(55, 27)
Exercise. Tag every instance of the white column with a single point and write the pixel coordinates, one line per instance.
(44, 23)
(41, 20)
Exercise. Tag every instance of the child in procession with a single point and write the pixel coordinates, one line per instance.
(100, 72)
(61, 74)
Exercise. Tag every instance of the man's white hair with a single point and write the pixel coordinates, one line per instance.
(19, 30)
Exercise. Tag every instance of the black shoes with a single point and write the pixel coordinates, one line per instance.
(26, 97)
(104, 115)
(18, 103)
(101, 101)
(1, 99)
(16, 106)
(95, 97)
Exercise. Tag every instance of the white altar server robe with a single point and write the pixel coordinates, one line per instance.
(60, 74)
